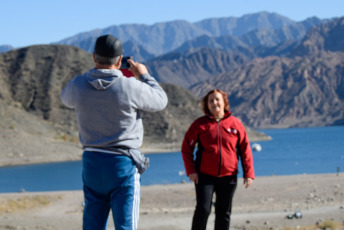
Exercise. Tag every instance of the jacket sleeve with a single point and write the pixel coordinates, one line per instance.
(188, 147)
(246, 154)
(66, 95)
(149, 95)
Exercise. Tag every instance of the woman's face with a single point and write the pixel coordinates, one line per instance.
(216, 105)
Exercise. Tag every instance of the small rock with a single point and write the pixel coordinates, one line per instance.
(298, 215)
(290, 216)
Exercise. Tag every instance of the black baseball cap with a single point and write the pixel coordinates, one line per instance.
(108, 46)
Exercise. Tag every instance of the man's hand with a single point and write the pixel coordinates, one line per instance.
(137, 68)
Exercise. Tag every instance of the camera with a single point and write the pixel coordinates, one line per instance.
(125, 63)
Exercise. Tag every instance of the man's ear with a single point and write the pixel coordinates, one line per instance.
(94, 57)
(119, 63)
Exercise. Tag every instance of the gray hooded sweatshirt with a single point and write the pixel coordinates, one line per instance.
(107, 106)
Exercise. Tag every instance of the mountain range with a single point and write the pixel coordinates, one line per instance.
(206, 54)
(278, 73)
(267, 29)
(299, 84)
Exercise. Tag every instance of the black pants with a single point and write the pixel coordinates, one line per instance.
(224, 188)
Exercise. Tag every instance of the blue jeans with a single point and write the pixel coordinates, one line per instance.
(111, 181)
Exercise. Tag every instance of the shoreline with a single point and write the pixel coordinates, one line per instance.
(77, 156)
(29, 149)
(265, 205)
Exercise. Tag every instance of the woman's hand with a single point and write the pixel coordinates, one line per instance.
(193, 177)
(248, 182)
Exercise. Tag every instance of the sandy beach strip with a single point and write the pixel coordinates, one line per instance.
(265, 205)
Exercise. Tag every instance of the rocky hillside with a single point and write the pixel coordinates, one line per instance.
(304, 87)
(36, 127)
(323, 38)
(282, 92)
(186, 69)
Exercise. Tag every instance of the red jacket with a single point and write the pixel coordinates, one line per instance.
(217, 142)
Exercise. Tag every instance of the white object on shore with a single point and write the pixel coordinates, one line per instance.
(257, 147)
(181, 173)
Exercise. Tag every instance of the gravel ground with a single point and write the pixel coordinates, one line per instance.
(265, 205)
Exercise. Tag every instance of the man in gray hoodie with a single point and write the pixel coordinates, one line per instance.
(107, 107)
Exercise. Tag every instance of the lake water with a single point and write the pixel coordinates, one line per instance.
(291, 151)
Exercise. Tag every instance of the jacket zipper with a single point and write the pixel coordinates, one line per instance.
(218, 123)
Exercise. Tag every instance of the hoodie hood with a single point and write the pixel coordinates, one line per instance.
(103, 78)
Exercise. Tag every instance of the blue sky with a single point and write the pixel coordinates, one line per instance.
(32, 22)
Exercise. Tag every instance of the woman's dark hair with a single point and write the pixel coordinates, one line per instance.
(205, 100)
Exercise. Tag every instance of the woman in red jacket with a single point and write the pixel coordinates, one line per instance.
(221, 140)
